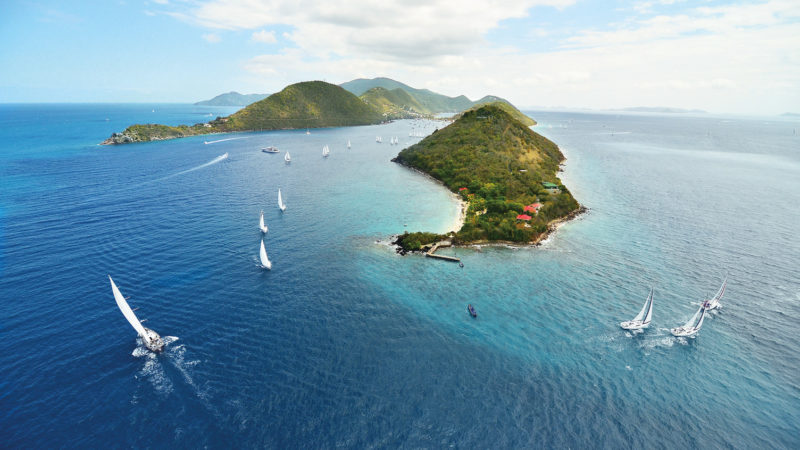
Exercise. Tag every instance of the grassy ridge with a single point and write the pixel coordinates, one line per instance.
(394, 104)
(502, 164)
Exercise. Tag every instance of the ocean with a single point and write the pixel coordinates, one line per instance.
(344, 343)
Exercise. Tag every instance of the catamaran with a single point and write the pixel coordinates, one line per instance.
(150, 338)
(281, 205)
(262, 255)
(642, 320)
(691, 327)
(287, 157)
(325, 151)
(714, 302)
(261, 223)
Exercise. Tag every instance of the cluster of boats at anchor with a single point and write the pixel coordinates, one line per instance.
(690, 328)
(326, 151)
(394, 140)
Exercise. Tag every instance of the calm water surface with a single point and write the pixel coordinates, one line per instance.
(345, 343)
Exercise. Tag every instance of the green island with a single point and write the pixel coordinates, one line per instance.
(309, 104)
(503, 170)
(317, 104)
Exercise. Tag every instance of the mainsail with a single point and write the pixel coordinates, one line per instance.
(261, 223)
(714, 302)
(287, 158)
(262, 254)
(128, 312)
(281, 205)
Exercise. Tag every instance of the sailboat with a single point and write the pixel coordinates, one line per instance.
(325, 151)
(691, 327)
(308, 131)
(348, 143)
(287, 157)
(262, 255)
(642, 320)
(261, 223)
(281, 205)
(714, 302)
(150, 338)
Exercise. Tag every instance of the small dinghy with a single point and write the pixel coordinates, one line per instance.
(270, 149)
(281, 205)
(150, 338)
(287, 157)
(262, 256)
(690, 328)
(642, 320)
(714, 302)
(261, 225)
(471, 310)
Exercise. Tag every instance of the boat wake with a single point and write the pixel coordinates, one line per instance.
(222, 140)
(216, 160)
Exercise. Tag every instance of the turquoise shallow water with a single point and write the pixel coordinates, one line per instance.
(344, 343)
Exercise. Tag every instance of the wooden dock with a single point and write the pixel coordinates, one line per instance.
(432, 252)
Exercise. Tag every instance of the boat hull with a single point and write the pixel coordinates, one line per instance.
(634, 325)
(154, 342)
(680, 332)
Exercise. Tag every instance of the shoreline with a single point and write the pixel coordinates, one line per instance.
(552, 227)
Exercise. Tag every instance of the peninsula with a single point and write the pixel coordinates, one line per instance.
(506, 172)
(310, 104)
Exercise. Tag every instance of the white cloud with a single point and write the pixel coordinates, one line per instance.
(411, 31)
(212, 38)
(741, 58)
(265, 36)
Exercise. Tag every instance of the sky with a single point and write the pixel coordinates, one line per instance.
(740, 57)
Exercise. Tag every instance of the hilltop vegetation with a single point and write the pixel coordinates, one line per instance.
(431, 101)
(505, 106)
(233, 98)
(309, 104)
(502, 164)
(394, 104)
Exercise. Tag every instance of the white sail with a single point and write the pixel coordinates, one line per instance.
(642, 320)
(691, 323)
(262, 254)
(691, 327)
(714, 302)
(287, 157)
(261, 223)
(128, 312)
(281, 205)
(649, 314)
(325, 151)
(348, 143)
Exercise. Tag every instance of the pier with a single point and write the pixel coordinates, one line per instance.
(432, 252)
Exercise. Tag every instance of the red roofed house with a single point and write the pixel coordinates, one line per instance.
(523, 217)
(534, 207)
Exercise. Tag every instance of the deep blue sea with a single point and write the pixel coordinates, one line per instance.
(346, 344)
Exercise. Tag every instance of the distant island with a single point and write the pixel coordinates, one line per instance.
(505, 172)
(315, 104)
(661, 109)
(233, 98)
